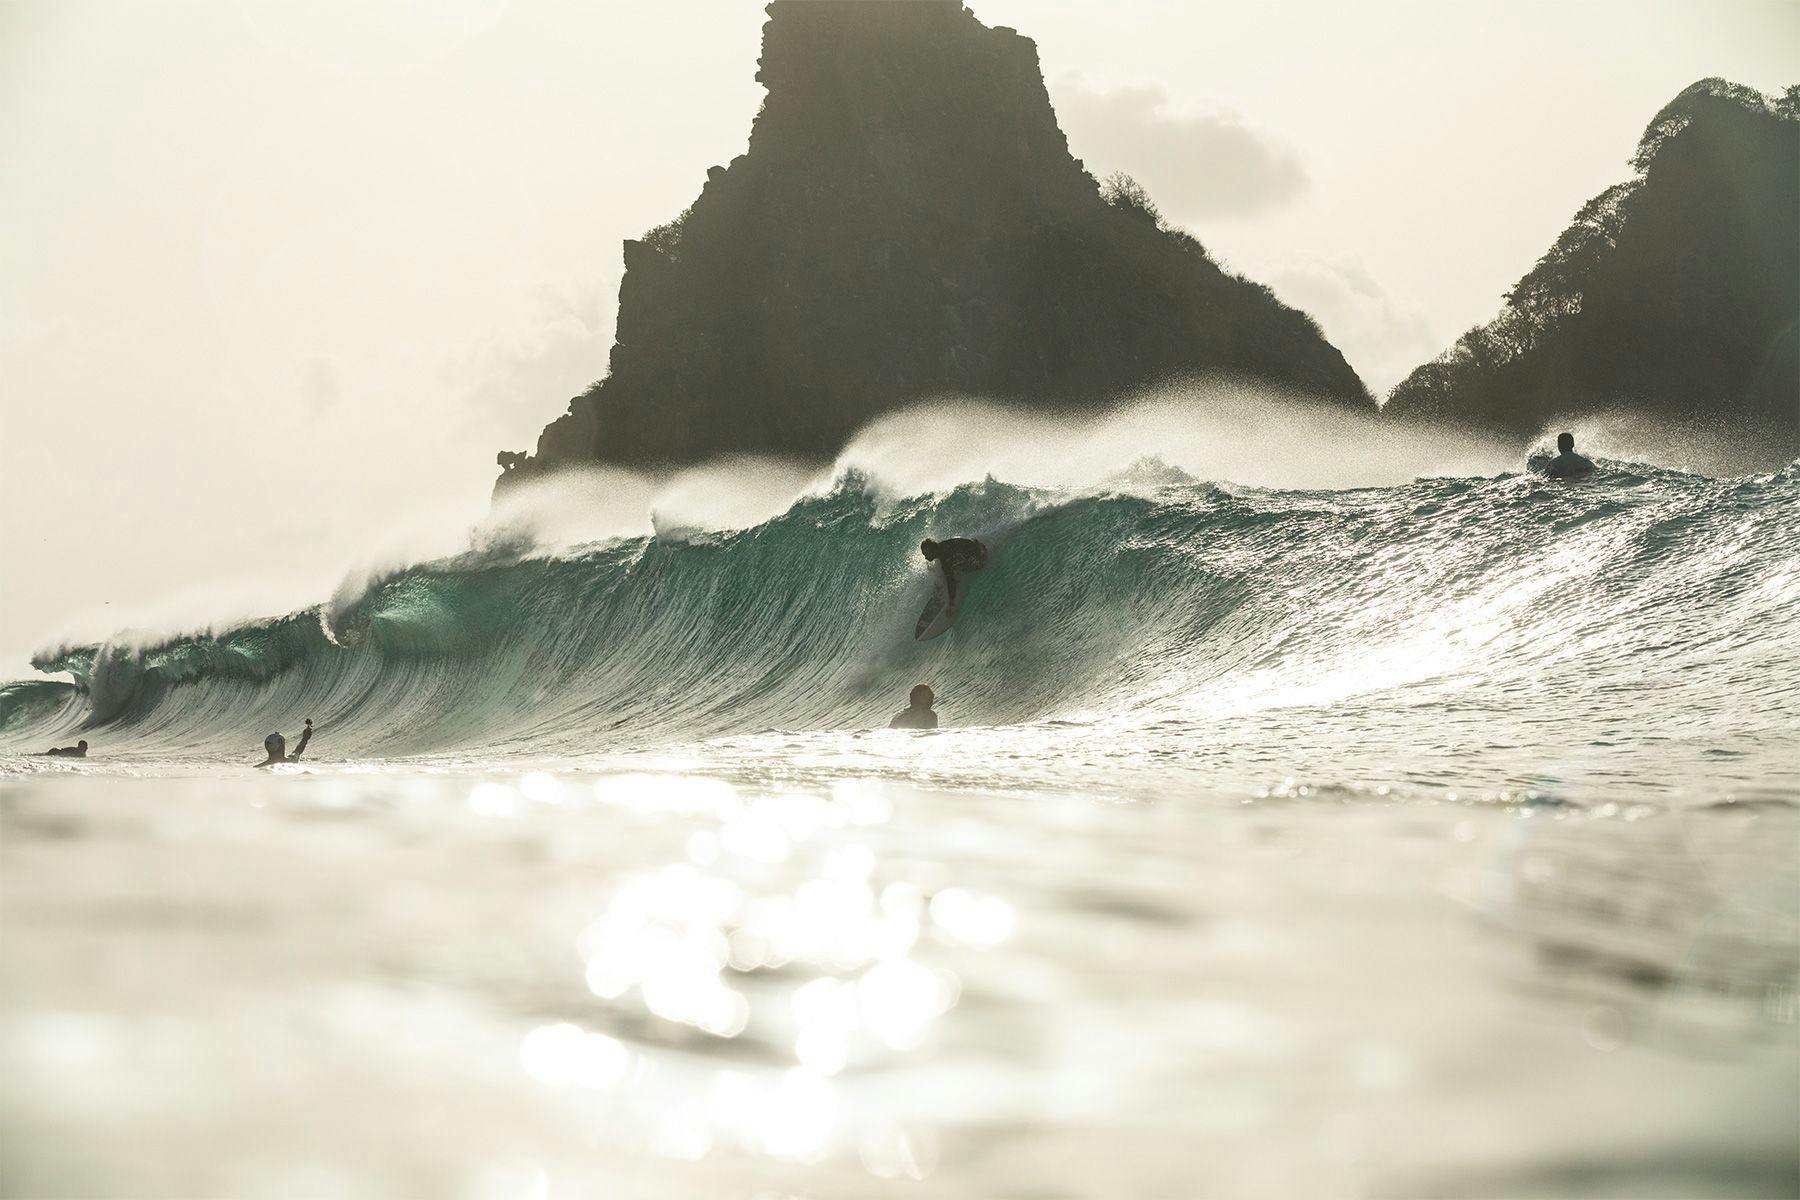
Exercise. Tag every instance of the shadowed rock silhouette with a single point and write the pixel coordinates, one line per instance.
(1674, 295)
(908, 222)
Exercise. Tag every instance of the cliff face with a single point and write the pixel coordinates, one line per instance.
(908, 221)
(1674, 295)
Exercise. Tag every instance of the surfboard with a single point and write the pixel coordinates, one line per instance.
(939, 613)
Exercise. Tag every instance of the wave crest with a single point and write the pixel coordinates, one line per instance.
(1152, 597)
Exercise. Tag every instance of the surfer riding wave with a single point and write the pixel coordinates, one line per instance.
(955, 558)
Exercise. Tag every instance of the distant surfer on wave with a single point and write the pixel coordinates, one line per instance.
(917, 714)
(276, 746)
(955, 557)
(78, 750)
(1567, 464)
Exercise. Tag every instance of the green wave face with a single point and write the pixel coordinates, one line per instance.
(1177, 605)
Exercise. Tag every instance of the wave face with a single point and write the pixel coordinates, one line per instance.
(1650, 622)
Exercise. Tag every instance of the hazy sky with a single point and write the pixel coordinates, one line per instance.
(277, 280)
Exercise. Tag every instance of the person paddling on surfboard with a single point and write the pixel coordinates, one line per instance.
(1567, 464)
(917, 714)
(955, 557)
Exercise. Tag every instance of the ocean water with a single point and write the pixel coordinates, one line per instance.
(1425, 840)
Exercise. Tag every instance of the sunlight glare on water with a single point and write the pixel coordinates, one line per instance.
(710, 943)
(863, 1005)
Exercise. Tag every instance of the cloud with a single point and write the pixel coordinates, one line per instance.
(1193, 164)
(1381, 336)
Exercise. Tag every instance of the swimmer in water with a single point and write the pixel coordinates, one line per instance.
(917, 714)
(276, 747)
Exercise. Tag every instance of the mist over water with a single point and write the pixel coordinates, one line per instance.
(1220, 431)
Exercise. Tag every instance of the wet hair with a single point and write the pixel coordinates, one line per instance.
(1565, 442)
(921, 696)
(82, 744)
(928, 548)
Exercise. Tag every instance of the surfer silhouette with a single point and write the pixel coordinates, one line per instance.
(1567, 464)
(276, 747)
(78, 750)
(955, 557)
(917, 714)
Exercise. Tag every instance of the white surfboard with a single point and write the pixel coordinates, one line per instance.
(939, 613)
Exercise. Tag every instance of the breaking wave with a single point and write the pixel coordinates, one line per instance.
(1156, 599)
